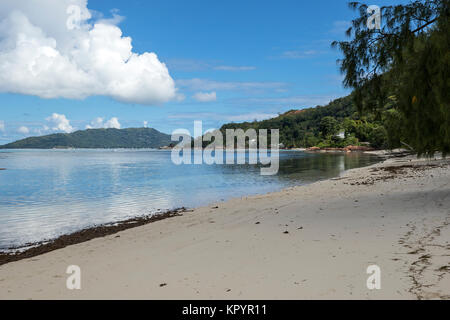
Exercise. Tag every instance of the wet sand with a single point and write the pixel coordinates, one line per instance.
(307, 242)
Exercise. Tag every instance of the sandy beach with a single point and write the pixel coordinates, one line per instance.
(307, 242)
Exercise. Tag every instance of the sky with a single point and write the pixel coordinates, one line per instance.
(69, 65)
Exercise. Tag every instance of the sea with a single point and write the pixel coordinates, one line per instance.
(47, 193)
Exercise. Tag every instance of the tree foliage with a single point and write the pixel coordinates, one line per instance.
(318, 126)
(408, 61)
(328, 126)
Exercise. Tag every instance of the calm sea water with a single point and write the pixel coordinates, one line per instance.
(46, 193)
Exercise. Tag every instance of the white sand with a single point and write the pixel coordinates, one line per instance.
(400, 224)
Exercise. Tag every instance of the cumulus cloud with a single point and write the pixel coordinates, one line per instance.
(50, 49)
(23, 130)
(99, 122)
(205, 96)
(112, 123)
(59, 122)
(2, 126)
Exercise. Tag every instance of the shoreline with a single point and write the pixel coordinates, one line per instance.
(30, 250)
(303, 242)
(33, 249)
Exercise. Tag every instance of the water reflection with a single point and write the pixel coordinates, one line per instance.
(44, 194)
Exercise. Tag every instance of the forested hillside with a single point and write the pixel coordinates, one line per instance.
(96, 138)
(321, 125)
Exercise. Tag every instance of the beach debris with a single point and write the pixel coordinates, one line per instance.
(425, 257)
(162, 285)
(417, 251)
(86, 235)
(286, 232)
(257, 222)
(216, 207)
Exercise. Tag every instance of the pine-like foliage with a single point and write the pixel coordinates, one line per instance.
(407, 60)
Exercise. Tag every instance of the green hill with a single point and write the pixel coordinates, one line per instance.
(319, 126)
(96, 138)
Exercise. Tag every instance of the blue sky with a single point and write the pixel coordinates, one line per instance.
(230, 61)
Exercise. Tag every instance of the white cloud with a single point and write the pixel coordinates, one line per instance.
(224, 117)
(41, 56)
(115, 20)
(251, 116)
(98, 123)
(112, 123)
(59, 122)
(2, 126)
(192, 65)
(23, 130)
(41, 131)
(179, 97)
(211, 85)
(294, 101)
(298, 54)
(205, 96)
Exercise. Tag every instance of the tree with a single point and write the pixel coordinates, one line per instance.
(328, 126)
(392, 121)
(377, 137)
(409, 59)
